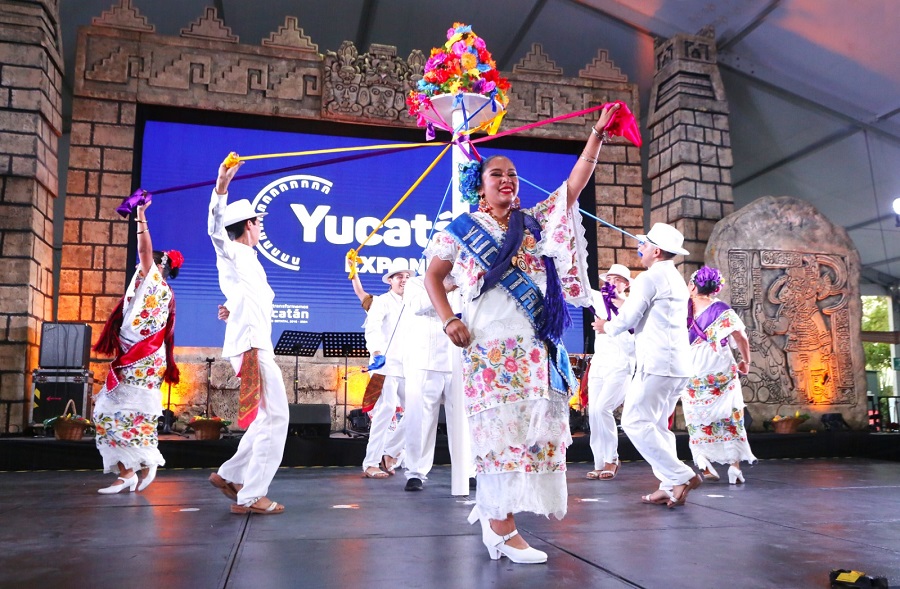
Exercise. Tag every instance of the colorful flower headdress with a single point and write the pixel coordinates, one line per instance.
(463, 64)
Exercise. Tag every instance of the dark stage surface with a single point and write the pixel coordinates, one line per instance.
(792, 523)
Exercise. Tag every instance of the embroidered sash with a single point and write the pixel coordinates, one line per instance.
(139, 351)
(479, 243)
(251, 388)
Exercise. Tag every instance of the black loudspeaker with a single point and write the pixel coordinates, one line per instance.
(65, 345)
(52, 391)
(358, 423)
(309, 420)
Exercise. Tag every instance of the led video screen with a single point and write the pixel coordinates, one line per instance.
(319, 207)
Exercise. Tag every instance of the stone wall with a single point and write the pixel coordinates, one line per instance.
(122, 63)
(690, 147)
(30, 125)
(793, 277)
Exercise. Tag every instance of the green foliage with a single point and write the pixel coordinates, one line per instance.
(875, 318)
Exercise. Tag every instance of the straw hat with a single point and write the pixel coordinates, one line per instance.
(666, 238)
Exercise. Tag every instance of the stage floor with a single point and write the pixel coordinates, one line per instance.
(792, 523)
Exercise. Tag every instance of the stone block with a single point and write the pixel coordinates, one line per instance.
(712, 137)
(93, 183)
(610, 195)
(81, 207)
(24, 166)
(19, 144)
(113, 135)
(606, 257)
(97, 111)
(95, 232)
(80, 134)
(684, 152)
(115, 257)
(703, 119)
(21, 77)
(76, 256)
(634, 196)
(695, 134)
(104, 306)
(120, 233)
(18, 122)
(708, 155)
(605, 174)
(725, 157)
(15, 217)
(14, 299)
(69, 281)
(629, 175)
(710, 174)
(85, 157)
(71, 231)
(22, 99)
(86, 308)
(118, 185)
(629, 216)
(711, 209)
(128, 111)
(68, 307)
(117, 160)
(76, 183)
(17, 244)
(18, 271)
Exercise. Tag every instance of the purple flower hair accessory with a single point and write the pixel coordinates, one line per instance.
(707, 278)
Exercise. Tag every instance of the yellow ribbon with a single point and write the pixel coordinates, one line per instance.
(353, 255)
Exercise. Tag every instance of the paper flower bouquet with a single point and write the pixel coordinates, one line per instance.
(462, 65)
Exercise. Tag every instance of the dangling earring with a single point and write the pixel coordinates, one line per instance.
(483, 205)
(516, 204)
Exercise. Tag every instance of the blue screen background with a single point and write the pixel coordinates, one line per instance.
(318, 295)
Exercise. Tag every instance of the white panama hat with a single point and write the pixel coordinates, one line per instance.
(396, 269)
(666, 238)
(240, 210)
(617, 270)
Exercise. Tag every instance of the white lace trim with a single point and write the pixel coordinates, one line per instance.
(514, 492)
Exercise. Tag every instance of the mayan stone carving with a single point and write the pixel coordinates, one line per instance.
(793, 276)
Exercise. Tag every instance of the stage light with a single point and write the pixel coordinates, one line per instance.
(896, 207)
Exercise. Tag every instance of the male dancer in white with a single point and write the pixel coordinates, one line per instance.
(234, 229)
(612, 367)
(427, 366)
(385, 335)
(657, 310)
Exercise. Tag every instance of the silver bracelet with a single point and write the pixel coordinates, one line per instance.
(448, 321)
(587, 159)
(604, 136)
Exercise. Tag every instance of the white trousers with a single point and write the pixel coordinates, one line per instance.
(606, 391)
(649, 402)
(425, 389)
(381, 440)
(261, 448)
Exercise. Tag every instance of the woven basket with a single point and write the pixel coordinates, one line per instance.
(207, 430)
(786, 426)
(68, 429)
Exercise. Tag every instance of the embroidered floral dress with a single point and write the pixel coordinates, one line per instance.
(126, 416)
(712, 401)
(519, 427)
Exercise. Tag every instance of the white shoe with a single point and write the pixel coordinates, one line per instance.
(130, 483)
(735, 476)
(709, 473)
(496, 544)
(151, 474)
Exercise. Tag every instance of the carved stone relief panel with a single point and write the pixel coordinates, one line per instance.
(801, 306)
(794, 305)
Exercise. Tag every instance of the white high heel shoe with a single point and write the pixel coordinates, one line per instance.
(496, 544)
(151, 474)
(130, 483)
(735, 476)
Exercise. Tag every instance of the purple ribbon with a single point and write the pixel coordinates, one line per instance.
(140, 198)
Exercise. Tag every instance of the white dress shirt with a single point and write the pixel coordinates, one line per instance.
(243, 281)
(381, 323)
(657, 310)
(428, 347)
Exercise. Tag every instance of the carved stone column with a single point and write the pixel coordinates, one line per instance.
(30, 123)
(690, 147)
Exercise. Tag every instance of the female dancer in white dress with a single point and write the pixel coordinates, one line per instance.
(712, 401)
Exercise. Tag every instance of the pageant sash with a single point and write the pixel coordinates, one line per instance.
(139, 351)
(517, 284)
(479, 243)
(251, 388)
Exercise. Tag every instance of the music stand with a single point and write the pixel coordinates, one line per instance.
(344, 345)
(296, 344)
